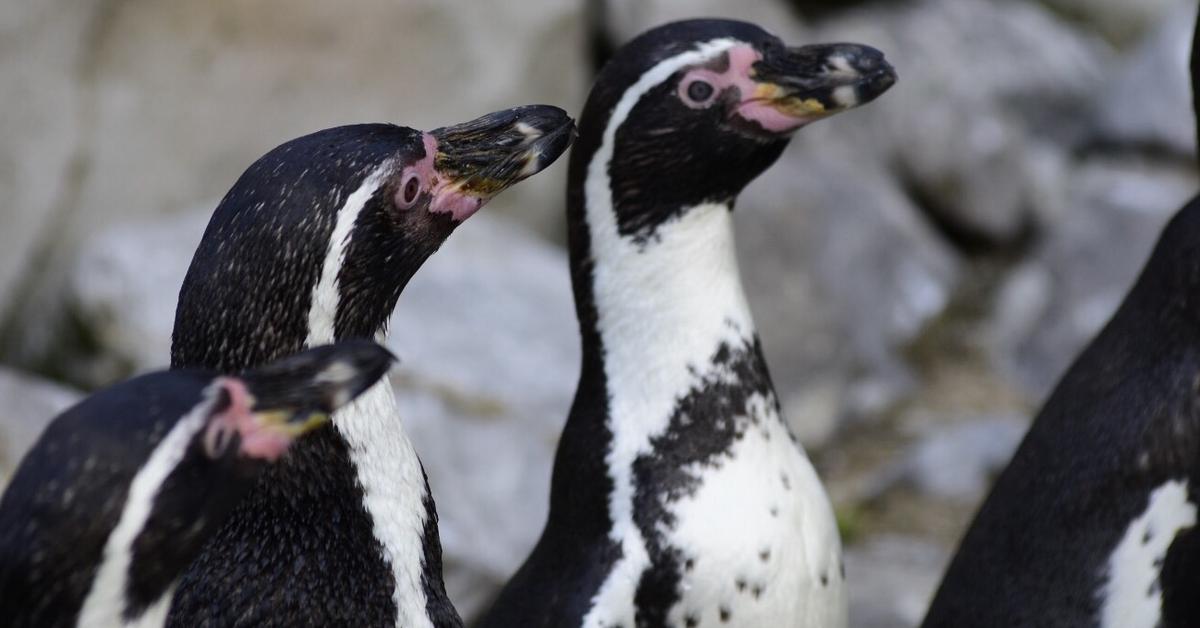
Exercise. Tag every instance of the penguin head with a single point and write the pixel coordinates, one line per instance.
(118, 495)
(692, 111)
(317, 238)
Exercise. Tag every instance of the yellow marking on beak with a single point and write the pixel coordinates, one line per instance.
(780, 99)
(768, 91)
(288, 423)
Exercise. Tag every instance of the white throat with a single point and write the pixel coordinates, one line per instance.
(385, 462)
(105, 603)
(664, 307)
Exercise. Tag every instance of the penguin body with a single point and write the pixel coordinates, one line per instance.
(679, 497)
(1092, 523)
(119, 493)
(315, 242)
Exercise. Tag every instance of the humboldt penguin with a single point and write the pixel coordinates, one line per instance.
(315, 243)
(679, 497)
(120, 492)
(1093, 521)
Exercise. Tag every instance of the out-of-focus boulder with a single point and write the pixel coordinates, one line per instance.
(841, 272)
(891, 580)
(27, 404)
(988, 97)
(1147, 102)
(123, 293)
(1121, 21)
(489, 353)
(1054, 302)
(178, 98)
(44, 71)
(958, 461)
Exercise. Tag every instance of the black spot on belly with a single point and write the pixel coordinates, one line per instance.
(725, 613)
(765, 555)
(703, 427)
(691, 621)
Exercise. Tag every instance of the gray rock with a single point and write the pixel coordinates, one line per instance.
(891, 580)
(1147, 101)
(988, 95)
(625, 19)
(1056, 300)
(42, 71)
(958, 461)
(841, 272)
(181, 97)
(27, 404)
(1120, 20)
(124, 288)
(489, 352)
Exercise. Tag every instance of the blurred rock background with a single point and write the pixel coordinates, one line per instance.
(922, 270)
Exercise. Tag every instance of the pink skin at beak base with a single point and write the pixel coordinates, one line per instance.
(447, 199)
(257, 440)
(752, 107)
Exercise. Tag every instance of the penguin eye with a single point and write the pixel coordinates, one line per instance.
(698, 93)
(217, 438)
(409, 191)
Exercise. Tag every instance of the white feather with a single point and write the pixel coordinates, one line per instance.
(105, 601)
(1131, 596)
(664, 307)
(385, 462)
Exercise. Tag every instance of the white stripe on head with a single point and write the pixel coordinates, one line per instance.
(322, 314)
(1132, 595)
(662, 307)
(383, 457)
(105, 602)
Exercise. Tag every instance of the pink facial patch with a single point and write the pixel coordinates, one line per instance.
(447, 198)
(752, 107)
(258, 441)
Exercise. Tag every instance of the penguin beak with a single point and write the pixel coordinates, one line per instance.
(273, 405)
(477, 160)
(796, 86)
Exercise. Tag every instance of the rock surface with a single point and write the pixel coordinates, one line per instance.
(987, 101)
(126, 110)
(489, 353)
(1149, 100)
(1056, 300)
(893, 579)
(959, 462)
(29, 404)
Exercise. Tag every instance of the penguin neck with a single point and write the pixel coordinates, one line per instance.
(656, 316)
(395, 491)
(396, 496)
(664, 306)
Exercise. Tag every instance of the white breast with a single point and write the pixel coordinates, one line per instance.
(763, 537)
(393, 493)
(1132, 596)
(384, 459)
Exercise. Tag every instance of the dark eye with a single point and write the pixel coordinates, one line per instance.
(217, 438)
(699, 91)
(409, 191)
